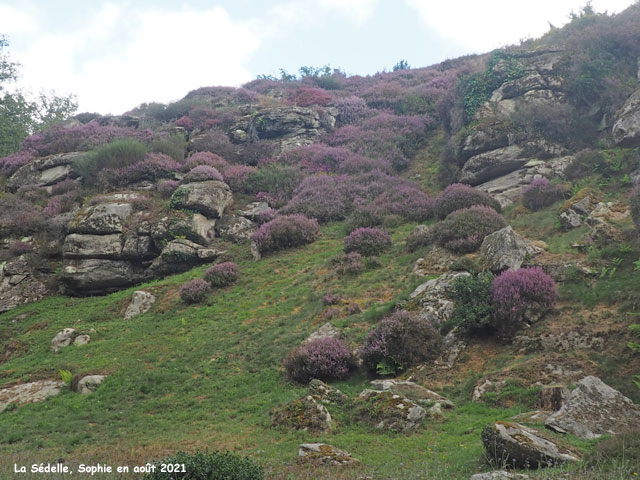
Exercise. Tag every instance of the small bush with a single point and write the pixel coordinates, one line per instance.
(623, 447)
(202, 173)
(194, 291)
(463, 230)
(114, 155)
(367, 241)
(472, 302)
(634, 203)
(11, 163)
(18, 247)
(521, 296)
(321, 197)
(349, 264)
(458, 196)
(236, 175)
(204, 158)
(277, 180)
(28, 221)
(166, 187)
(285, 231)
(153, 167)
(400, 341)
(540, 193)
(173, 145)
(222, 274)
(208, 466)
(585, 163)
(331, 299)
(324, 359)
(422, 236)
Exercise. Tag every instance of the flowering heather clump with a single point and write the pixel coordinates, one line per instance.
(521, 296)
(11, 163)
(278, 181)
(222, 274)
(185, 122)
(28, 221)
(62, 203)
(325, 359)
(285, 231)
(464, 230)
(321, 197)
(367, 241)
(458, 196)
(153, 167)
(19, 247)
(194, 291)
(236, 175)
(349, 264)
(400, 341)
(331, 299)
(202, 173)
(408, 201)
(217, 142)
(60, 139)
(356, 163)
(317, 157)
(304, 97)
(634, 203)
(63, 186)
(540, 193)
(351, 110)
(166, 187)
(204, 158)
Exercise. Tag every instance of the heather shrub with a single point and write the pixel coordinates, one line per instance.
(216, 142)
(540, 193)
(350, 110)
(173, 145)
(317, 157)
(285, 231)
(367, 241)
(204, 158)
(586, 162)
(62, 203)
(324, 359)
(458, 196)
(18, 247)
(321, 197)
(166, 187)
(18, 217)
(349, 264)
(153, 167)
(194, 291)
(208, 466)
(63, 186)
(279, 181)
(521, 296)
(472, 302)
(364, 214)
(421, 236)
(185, 122)
(255, 153)
(236, 175)
(304, 97)
(463, 230)
(11, 163)
(222, 274)
(115, 155)
(331, 299)
(634, 204)
(202, 173)
(398, 342)
(32, 193)
(408, 201)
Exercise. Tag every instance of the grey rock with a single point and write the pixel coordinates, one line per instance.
(81, 340)
(208, 198)
(626, 129)
(485, 386)
(98, 276)
(63, 339)
(412, 391)
(558, 342)
(141, 302)
(180, 255)
(78, 245)
(254, 210)
(21, 284)
(324, 454)
(552, 397)
(235, 228)
(499, 475)
(44, 171)
(29, 393)
(90, 383)
(325, 331)
(503, 250)
(305, 414)
(523, 447)
(204, 228)
(325, 393)
(101, 219)
(594, 409)
(388, 411)
(430, 298)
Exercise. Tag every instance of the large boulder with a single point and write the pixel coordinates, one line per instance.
(208, 198)
(387, 411)
(626, 129)
(594, 409)
(63, 339)
(430, 299)
(413, 391)
(29, 392)
(180, 255)
(44, 171)
(502, 250)
(325, 393)
(235, 228)
(21, 283)
(305, 414)
(102, 219)
(90, 383)
(99, 276)
(522, 447)
(141, 302)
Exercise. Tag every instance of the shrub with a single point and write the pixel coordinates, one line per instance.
(422, 236)
(153, 167)
(586, 162)
(173, 145)
(18, 247)
(349, 264)
(208, 466)
(204, 158)
(28, 221)
(61, 204)
(317, 157)
(463, 230)
(194, 291)
(472, 305)
(540, 193)
(236, 175)
(63, 186)
(367, 241)
(622, 449)
(166, 187)
(521, 296)
(185, 122)
(202, 173)
(304, 97)
(634, 203)
(115, 155)
(458, 196)
(222, 274)
(351, 110)
(11, 163)
(279, 181)
(400, 341)
(321, 197)
(285, 231)
(324, 359)
(331, 299)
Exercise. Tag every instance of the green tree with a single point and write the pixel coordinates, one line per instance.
(21, 116)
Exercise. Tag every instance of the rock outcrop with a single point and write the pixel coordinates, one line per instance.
(388, 411)
(21, 283)
(522, 447)
(305, 414)
(323, 454)
(44, 171)
(626, 129)
(503, 250)
(594, 409)
(29, 393)
(209, 198)
(413, 391)
(430, 300)
(90, 383)
(141, 302)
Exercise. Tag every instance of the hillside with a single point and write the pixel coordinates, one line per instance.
(453, 248)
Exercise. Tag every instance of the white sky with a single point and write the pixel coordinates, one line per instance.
(117, 54)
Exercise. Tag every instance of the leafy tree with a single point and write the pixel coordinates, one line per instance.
(401, 65)
(21, 116)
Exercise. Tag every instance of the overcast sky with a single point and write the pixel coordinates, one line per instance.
(114, 55)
